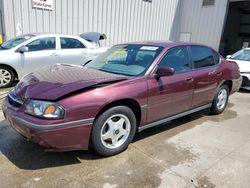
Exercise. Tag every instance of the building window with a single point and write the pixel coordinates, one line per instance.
(208, 3)
(149, 1)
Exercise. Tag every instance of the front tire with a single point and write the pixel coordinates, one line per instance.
(113, 131)
(7, 77)
(220, 100)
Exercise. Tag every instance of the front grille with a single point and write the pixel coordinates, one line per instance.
(245, 82)
(14, 100)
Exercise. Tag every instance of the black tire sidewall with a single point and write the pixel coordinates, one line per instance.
(98, 124)
(12, 76)
(214, 108)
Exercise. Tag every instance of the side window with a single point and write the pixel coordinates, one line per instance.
(48, 43)
(202, 56)
(70, 43)
(176, 58)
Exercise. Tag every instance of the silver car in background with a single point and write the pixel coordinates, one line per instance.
(27, 53)
(242, 58)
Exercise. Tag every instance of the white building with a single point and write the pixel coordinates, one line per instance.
(217, 23)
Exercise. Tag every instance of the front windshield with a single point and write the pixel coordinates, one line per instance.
(15, 42)
(127, 59)
(243, 55)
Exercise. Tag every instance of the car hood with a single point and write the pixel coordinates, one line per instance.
(5, 54)
(243, 65)
(54, 82)
(3, 50)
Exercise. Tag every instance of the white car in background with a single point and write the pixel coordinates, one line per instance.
(242, 58)
(27, 53)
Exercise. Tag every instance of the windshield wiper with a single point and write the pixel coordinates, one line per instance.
(86, 63)
(117, 73)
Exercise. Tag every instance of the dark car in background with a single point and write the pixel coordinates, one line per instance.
(125, 90)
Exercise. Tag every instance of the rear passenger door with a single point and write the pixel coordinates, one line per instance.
(206, 74)
(72, 51)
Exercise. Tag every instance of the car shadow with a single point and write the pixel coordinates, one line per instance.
(15, 83)
(191, 121)
(166, 126)
(29, 156)
(244, 90)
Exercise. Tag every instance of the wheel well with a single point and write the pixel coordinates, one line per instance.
(131, 103)
(14, 71)
(229, 83)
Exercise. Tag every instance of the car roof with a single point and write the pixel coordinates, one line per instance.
(165, 44)
(44, 34)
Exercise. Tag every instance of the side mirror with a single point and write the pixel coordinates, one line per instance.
(228, 56)
(23, 49)
(164, 71)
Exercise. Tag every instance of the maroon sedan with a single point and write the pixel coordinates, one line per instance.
(127, 89)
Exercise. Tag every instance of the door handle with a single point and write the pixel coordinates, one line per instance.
(189, 79)
(212, 72)
(54, 54)
(219, 73)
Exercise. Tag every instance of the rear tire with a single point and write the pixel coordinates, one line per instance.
(7, 76)
(113, 131)
(220, 100)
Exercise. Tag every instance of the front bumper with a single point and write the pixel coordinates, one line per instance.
(66, 136)
(246, 81)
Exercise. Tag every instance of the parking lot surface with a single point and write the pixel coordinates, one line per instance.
(198, 150)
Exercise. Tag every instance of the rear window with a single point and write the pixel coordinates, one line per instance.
(202, 56)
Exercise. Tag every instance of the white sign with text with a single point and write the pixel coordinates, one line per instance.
(44, 4)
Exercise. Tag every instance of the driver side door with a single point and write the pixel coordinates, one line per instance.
(173, 94)
(41, 52)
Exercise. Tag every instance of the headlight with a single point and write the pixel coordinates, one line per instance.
(42, 109)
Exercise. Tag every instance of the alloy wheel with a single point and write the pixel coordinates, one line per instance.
(5, 77)
(115, 131)
(222, 99)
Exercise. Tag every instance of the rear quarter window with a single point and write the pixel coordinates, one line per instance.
(216, 57)
(202, 56)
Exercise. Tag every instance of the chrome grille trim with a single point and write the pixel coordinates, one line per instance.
(14, 100)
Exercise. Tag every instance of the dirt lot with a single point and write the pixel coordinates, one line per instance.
(195, 151)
